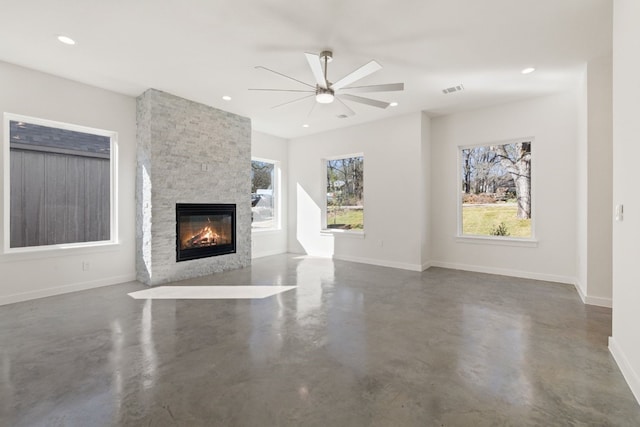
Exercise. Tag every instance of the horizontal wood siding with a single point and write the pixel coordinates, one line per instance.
(58, 198)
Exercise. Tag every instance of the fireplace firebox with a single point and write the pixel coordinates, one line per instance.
(205, 230)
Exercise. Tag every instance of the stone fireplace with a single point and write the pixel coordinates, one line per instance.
(190, 154)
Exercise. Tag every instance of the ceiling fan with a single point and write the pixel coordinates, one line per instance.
(326, 92)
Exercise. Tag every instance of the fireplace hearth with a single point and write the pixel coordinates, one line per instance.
(205, 230)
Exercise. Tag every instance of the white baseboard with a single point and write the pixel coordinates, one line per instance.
(591, 300)
(426, 265)
(632, 377)
(255, 255)
(599, 301)
(504, 272)
(586, 299)
(381, 263)
(58, 290)
(583, 297)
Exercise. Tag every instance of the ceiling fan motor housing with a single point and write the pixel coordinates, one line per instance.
(324, 95)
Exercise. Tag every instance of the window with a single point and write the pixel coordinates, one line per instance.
(61, 182)
(496, 190)
(264, 193)
(345, 187)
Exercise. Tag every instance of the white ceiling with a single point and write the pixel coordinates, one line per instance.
(204, 49)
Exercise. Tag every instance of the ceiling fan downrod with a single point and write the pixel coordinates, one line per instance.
(327, 56)
(325, 95)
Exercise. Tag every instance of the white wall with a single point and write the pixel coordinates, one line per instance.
(595, 177)
(552, 121)
(31, 93)
(625, 341)
(271, 242)
(425, 190)
(392, 193)
(582, 199)
(600, 181)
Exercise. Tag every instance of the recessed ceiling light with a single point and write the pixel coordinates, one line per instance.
(393, 104)
(528, 70)
(66, 40)
(305, 125)
(226, 98)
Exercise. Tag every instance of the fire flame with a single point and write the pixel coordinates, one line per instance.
(204, 237)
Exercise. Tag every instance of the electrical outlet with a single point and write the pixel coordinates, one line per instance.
(86, 266)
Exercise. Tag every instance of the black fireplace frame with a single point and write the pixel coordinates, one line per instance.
(187, 209)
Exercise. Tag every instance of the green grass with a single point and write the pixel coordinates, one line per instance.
(349, 219)
(481, 220)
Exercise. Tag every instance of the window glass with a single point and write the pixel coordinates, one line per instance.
(263, 194)
(496, 190)
(345, 188)
(60, 185)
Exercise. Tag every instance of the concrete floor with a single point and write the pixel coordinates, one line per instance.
(353, 345)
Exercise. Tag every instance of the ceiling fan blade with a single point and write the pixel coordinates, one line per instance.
(284, 75)
(316, 68)
(292, 101)
(367, 101)
(375, 88)
(284, 90)
(349, 112)
(364, 71)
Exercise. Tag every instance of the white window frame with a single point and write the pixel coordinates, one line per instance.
(325, 229)
(277, 200)
(496, 240)
(113, 183)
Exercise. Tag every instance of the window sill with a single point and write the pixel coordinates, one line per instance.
(500, 241)
(35, 252)
(346, 233)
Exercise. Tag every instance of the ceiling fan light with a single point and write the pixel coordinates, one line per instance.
(324, 97)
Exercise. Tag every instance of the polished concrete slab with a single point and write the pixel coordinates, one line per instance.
(209, 292)
(352, 345)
